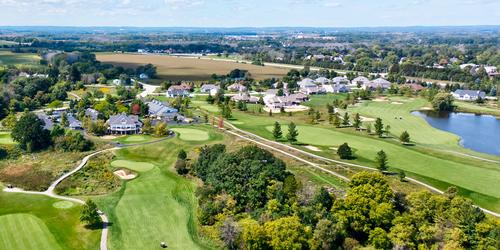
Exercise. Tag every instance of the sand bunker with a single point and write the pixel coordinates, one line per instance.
(366, 119)
(313, 148)
(397, 103)
(122, 174)
(109, 137)
(380, 99)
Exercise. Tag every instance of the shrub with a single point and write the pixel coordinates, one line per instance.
(344, 151)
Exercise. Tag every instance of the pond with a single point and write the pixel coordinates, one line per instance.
(477, 132)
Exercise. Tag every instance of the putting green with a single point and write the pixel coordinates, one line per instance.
(25, 231)
(135, 138)
(63, 204)
(189, 134)
(133, 165)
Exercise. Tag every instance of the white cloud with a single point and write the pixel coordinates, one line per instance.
(176, 4)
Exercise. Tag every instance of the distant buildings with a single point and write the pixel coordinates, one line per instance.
(124, 124)
(468, 95)
(377, 83)
(210, 89)
(245, 97)
(237, 87)
(178, 90)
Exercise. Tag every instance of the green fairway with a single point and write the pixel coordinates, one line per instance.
(63, 204)
(5, 138)
(133, 165)
(34, 222)
(133, 139)
(9, 58)
(25, 231)
(157, 206)
(189, 134)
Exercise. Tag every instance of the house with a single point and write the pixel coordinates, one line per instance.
(360, 81)
(237, 87)
(245, 97)
(210, 88)
(177, 90)
(340, 80)
(377, 83)
(336, 88)
(306, 82)
(48, 123)
(312, 90)
(117, 82)
(298, 97)
(74, 123)
(92, 114)
(322, 80)
(491, 70)
(468, 95)
(161, 110)
(124, 124)
(143, 76)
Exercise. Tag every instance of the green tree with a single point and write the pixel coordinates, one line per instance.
(277, 133)
(30, 134)
(293, 133)
(161, 129)
(64, 120)
(336, 121)
(379, 127)
(345, 119)
(147, 127)
(9, 121)
(286, 233)
(182, 154)
(401, 175)
(253, 235)
(90, 214)
(378, 238)
(357, 121)
(324, 199)
(405, 137)
(381, 160)
(344, 151)
(443, 102)
(328, 235)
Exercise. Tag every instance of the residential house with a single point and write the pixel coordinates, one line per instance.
(360, 81)
(48, 123)
(468, 95)
(210, 88)
(177, 90)
(124, 124)
(322, 80)
(92, 114)
(245, 97)
(377, 83)
(306, 82)
(237, 87)
(336, 88)
(74, 123)
(340, 80)
(117, 82)
(278, 102)
(143, 76)
(312, 90)
(162, 111)
(491, 70)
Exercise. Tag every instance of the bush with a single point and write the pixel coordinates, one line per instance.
(344, 152)
(73, 142)
(181, 167)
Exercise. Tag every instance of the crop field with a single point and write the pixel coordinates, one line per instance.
(189, 69)
(9, 58)
(40, 222)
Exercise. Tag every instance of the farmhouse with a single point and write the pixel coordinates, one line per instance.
(237, 87)
(210, 88)
(468, 95)
(177, 90)
(124, 124)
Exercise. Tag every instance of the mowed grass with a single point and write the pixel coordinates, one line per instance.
(33, 222)
(159, 205)
(133, 165)
(5, 138)
(133, 139)
(189, 134)
(9, 58)
(25, 231)
(189, 69)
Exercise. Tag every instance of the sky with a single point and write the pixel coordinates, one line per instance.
(247, 13)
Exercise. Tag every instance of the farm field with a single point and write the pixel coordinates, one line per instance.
(9, 58)
(424, 163)
(189, 69)
(38, 222)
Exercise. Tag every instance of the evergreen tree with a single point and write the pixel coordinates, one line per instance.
(336, 121)
(344, 151)
(293, 133)
(404, 137)
(90, 214)
(277, 133)
(345, 120)
(379, 127)
(357, 121)
(381, 160)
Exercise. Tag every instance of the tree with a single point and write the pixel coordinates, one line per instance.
(161, 129)
(381, 160)
(324, 199)
(345, 119)
(253, 235)
(30, 134)
(182, 155)
(401, 175)
(336, 121)
(405, 137)
(387, 129)
(230, 233)
(147, 127)
(293, 133)
(277, 133)
(344, 151)
(357, 121)
(328, 235)
(378, 238)
(379, 127)
(90, 214)
(286, 233)
(181, 167)
(64, 120)
(10, 121)
(443, 102)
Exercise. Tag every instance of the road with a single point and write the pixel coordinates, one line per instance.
(272, 145)
(148, 89)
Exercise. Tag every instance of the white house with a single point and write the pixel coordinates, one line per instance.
(468, 95)
(336, 88)
(340, 80)
(212, 89)
(117, 82)
(360, 80)
(143, 76)
(377, 83)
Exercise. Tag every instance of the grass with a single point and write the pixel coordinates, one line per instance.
(6, 139)
(157, 206)
(133, 139)
(32, 222)
(189, 69)
(9, 58)
(133, 165)
(490, 108)
(189, 134)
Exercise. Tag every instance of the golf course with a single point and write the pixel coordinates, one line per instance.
(5, 138)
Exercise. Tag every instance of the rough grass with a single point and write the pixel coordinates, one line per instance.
(32, 222)
(133, 165)
(189, 69)
(188, 134)
(6, 139)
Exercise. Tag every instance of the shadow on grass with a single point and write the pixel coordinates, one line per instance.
(98, 226)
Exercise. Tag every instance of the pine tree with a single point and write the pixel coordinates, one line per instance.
(90, 214)
(357, 121)
(381, 160)
(379, 127)
(404, 137)
(336, 121)
(277, 133)
(293, 133)
(345, 120)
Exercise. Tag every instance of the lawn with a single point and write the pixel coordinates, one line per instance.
(5, 138)
(9, 58)
(488, 108)
(133, 165)
(133, 139)
(157, 206)
(189, 134)
(34, 222)
(189, 69)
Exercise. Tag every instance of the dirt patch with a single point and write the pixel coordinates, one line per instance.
(313, 148)
(27, 177)
(109, 137)
(125, 175)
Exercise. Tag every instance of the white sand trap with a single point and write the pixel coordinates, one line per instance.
(397, 103)
(123, 175)
(109, 137)
(313, 148)
(333, 148)
(366, 119)
(380, 99)
(426, 108)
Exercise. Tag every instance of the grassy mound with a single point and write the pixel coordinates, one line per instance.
(133, 165)
(189, 134)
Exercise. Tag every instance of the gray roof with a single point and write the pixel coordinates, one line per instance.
(124, 119)
(73, 122)
(471, 93)
(48, 124)
(208, 87)
(92, 113)
(340, 79)
(360, 79)
(159, 108)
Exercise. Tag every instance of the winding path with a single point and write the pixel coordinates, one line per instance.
(266, 143)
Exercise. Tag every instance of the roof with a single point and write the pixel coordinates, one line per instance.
(340, 79)
(73, 122)
(48, 124)
(322, 80)
(472, 93)
(92, 113)
(159, 108)
(361, 79)
(381, 81)
(124, 119)
(306, 82)
(209, 87)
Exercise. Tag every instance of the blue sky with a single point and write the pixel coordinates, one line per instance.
(257, 13)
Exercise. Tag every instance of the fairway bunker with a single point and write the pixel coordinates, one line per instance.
(124, 175)
(63, 204)
(189, 134)
(133, 165)
(313, 148)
